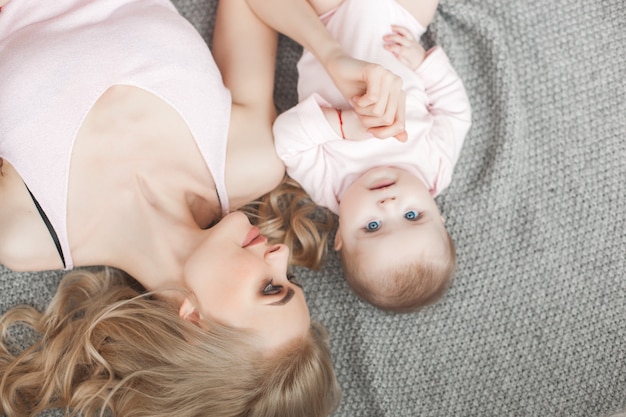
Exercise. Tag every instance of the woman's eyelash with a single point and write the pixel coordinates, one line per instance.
(292, 278)
(271, 289)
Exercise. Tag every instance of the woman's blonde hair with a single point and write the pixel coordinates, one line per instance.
(104, 344)
(288, 215)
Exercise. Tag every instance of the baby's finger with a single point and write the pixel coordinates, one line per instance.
(401, 30)
(392, 39)
(394, 48)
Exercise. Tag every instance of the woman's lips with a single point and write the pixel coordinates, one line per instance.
(253, 237)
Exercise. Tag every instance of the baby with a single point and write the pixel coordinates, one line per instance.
(395, 249)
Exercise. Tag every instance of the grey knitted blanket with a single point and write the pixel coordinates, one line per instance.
(535, 322)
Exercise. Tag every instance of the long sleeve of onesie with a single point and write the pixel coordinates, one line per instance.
(447, 103)
(299, 137)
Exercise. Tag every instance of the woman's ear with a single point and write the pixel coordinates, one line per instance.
(338, 241)
(189, 312)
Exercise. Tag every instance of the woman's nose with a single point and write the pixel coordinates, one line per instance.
(277, 254)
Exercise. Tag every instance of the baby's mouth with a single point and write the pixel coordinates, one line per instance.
(381, 185)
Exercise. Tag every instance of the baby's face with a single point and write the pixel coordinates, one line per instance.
(388, 214)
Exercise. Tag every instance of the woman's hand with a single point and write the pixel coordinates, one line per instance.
(374, 92)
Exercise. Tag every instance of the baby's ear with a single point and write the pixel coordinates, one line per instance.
(338, 241)
(189, 312)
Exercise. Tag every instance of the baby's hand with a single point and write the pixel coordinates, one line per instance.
(404, 46)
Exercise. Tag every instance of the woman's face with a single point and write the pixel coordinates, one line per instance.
(239, 280)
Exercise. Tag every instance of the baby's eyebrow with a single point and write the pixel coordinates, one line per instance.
(286, 298)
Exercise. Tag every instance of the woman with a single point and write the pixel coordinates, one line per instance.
(120, 146)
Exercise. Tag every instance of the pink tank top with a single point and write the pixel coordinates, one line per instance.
(58, 57)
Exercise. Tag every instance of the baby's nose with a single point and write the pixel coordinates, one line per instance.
(386, 200)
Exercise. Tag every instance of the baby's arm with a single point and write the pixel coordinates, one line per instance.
(448, 104)
(300, 137)
(404, 46)
(346, 124)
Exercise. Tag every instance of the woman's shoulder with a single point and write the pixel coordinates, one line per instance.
(25, 242)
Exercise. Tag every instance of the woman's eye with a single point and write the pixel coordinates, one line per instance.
(271, 289)
(411, 215)
(373, 226)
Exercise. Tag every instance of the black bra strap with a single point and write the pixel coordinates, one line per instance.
(53, 234)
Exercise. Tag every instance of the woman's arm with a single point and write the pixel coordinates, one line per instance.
(244, 49)
(374, 92)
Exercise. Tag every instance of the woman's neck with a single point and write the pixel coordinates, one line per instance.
(139, 189)
(145, 238)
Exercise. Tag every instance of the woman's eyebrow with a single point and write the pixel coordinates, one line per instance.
(286, 298)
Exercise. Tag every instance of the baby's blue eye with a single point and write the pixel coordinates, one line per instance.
(411, 215)
(373, 226)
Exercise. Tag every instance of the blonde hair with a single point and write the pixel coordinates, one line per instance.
(288, 215)
(405, 289)
(106, 345)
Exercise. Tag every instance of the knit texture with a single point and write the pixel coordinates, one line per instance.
(535, 322)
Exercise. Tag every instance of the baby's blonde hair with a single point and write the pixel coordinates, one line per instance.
(402, 289)
(106, 345)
